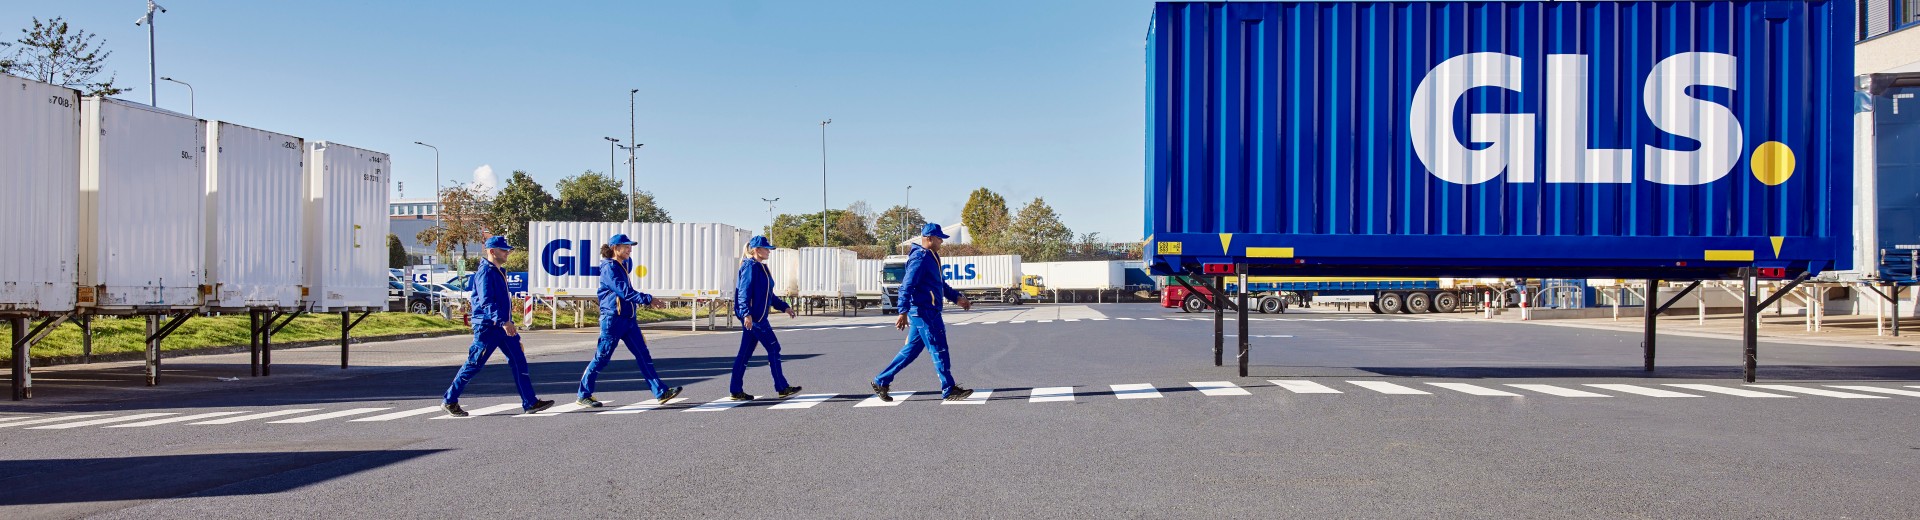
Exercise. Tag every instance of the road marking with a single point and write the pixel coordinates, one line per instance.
(262, 415)
(490, 410)
(329, 415)
(48, 420)
(898, 397)
(1724, 390)
(642, 406)
(560, 409)
(715, 406)
(1050, 394)
(1388, 388)
(1640, 390)
(1154, 319)
(803, 401)
(1127, 319)
(1018, 321)
(1554, 390)
(1475, 389)
(1218, 388)
(171, 420)
(1303, 386)
(1892, 391)
(1075, 319)
(1136, 391)
(1045, 321)
(400, 414)
(109, 420)
(979, 396)
(1819, 392)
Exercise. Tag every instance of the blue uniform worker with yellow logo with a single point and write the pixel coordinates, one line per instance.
(752, 298)
(921, 295)
(492, 320)
(618, 303)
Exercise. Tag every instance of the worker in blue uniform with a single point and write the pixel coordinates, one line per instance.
(618, 303)
(752, 299)
(492, 320)
(922, 293)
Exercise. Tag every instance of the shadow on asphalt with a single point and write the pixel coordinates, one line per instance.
(109, 479)
(1764, 372)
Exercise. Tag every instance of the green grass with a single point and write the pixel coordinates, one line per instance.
(112, 335)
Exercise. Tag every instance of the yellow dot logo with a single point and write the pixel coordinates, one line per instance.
(639, 271)
(1772, 163)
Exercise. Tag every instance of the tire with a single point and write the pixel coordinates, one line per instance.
(419, 307)
(1391, 303)
(1374, 306)
(1418, 303)
(1193, 304)
(1272, 305)
(1013, 297)
(1446, 302)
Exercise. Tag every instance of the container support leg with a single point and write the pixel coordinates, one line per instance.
(346, 326)
(1648, 334)
(86, 338)
(1243, 320)
(1219, 318)
(253, 342)
(22, 360)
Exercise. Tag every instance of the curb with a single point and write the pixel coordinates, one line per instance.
(231, 349)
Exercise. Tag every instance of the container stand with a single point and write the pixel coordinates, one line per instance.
(1750, 329)
(270, 325)
(157, 332)
(1219, 318)
(1892, 296)
(346, 326)
(1242, 309)
(1649, 333)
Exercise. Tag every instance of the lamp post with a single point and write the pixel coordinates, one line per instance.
(632, 192)
(903, 215)
(153, 87)
(192, 105)
(823, 182)
(769, 202)
(632, 137)
(612, 145)
(439, 224)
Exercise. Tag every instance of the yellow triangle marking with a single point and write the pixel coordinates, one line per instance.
(1226, 238)
(1776, 245)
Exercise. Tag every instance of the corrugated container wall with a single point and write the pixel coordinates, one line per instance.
(671, 260)
(345, 251)
(1634, 139)
(826, 272)
(253, 208)
(866, 276)
(40, 167)
(1078, 275)
(142, 201)
(981, 272)
(784, 266)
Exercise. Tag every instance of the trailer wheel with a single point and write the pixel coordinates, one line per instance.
(1272, 305)
(1418, 303)
(1446, 302)
(1374, 306)
(1391, 303)
(1011, 296)
(1193, 304)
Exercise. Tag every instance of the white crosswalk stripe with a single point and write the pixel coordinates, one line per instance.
(262, 415)
(1741, 392)
(980, 396)
(108, 420)
(48, 420)
(898, 397)
(1819, 392)
(1218, 388)
(559, 409)
(1136, 391)
(329, 415)
(1639, 390)
(400, 414)
(1388, 388)
(1050, 394)
(171, 420)
(718, 405)
(490, 410)
(643, 406)
(1475, 389)
(803, 401)
(1889, 391)
(1555, 390)
(1303, 386)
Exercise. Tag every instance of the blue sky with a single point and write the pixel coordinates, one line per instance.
(1028, 98)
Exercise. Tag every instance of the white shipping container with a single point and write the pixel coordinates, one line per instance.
(784, 266)
(671, 260)
(1074, 276)
(825, 272)
(253, 211)
(866, 276)
(142, 205)
(344, 242)
(981, 272)
(40, 167)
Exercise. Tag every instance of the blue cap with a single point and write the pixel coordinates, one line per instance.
(932, 230)
(621, 239)
(760, 241)
(498, 242)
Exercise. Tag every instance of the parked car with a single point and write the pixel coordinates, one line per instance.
(421, 301)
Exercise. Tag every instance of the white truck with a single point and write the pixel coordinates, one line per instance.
(1094, 281)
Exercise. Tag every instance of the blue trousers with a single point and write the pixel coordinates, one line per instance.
(760, 334)
(614, 330)
(928, 334)
(485, 339)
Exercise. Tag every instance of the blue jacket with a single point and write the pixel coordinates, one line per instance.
(754, 294)
(922, 290)
(492, 304)
(617, 297)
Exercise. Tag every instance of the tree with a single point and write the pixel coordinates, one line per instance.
(793, 231)
(804, 230)
(985, 216)
(54, 52)
(396, 252)
(462, 221)
(646, 210)
(1037, 235)
(851, 227)
(897, 224)
(592, 197)
(520, 201)
(516, 261)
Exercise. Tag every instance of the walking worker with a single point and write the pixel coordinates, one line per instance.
(618, 323)
(922, 292)
(752, 298)
(492, 320)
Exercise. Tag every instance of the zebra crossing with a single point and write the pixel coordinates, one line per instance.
(960, 324)
(1324, 388)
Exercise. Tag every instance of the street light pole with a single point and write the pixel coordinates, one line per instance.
(193, 105)
(632, 193)
(903, 215)
(439, 224)
(612, 146)
(632, 137)
(769, 214)
(823, 182)
(153, 86)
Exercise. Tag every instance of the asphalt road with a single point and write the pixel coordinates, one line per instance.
(1343, 415)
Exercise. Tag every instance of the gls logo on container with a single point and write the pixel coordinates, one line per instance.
(958, 272)
(557, 260)
(1512, 136)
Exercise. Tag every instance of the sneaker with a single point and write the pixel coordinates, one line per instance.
(959, 394)
(588, 402)
(540, 406)
(671, 393)
(453, 409)
(789, 391)
(742, 397)
(882, 390)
